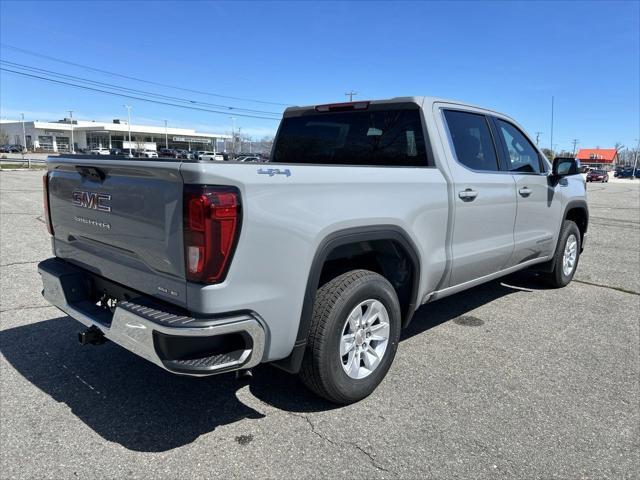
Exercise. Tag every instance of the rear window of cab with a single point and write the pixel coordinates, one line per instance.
(381, 137)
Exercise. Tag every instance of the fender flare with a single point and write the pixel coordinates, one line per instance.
(336, 239)
(581, 204)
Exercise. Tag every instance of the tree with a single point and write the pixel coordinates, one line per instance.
(548, 153)
(4, 137)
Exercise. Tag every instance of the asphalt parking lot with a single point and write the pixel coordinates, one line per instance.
(509, 379)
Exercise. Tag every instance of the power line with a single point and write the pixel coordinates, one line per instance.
(41, 55)
(144, 92)
(123, 95)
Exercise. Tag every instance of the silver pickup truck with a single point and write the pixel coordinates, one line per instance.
(316, 260)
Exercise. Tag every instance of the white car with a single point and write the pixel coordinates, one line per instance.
(147, 153)
(204, 155)
(100, 151)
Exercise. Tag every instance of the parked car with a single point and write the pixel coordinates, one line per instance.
(316, 261)
(146, 153)
(185, 154)
(627, 172)
(207, 155)
(597, 176)
(100, 151)
(248, 159)
(117, 151)
(168, 153)
(15, 148)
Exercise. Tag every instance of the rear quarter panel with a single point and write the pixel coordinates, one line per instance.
(285, 219)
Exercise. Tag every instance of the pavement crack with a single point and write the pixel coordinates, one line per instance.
(618, 289)
(371, 458)
(19, 263)
(319, 434)
(24, 308)
(313, 428)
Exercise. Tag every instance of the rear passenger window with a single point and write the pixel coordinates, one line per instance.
(472, 140)
(521, 154)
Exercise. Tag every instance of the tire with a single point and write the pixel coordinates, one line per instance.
(559, 277)
(324, 371)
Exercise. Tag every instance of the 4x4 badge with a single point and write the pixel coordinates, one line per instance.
(274, 171)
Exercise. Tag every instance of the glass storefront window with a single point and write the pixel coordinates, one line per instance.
(46, 142)
(63, 144)
(97, 139)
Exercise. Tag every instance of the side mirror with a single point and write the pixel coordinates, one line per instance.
(563, 166)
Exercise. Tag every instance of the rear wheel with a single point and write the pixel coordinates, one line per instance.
(566, 257)
(353, 337)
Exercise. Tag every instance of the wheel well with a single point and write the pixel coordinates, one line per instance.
(579, 216)
(388, 258)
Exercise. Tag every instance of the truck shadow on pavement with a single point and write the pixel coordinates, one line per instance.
(143, 408)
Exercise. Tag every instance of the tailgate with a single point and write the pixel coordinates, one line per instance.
(121, 219)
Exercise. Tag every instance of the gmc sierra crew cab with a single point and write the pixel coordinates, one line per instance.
(317, 259)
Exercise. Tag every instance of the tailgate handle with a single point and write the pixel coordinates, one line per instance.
(91, 173)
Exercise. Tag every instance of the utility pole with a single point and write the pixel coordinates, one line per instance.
(635, 161)
(551, 141)
(575, 142)
(166, 137)
(351, 94)
(233, 136)
(538, 137)
(73, 147)
(128, 107)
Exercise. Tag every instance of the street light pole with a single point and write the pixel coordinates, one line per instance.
(24, 140)
(166, 138)
(351, 94)
(128, 107)
(24, 134)
(551, 140)
(73, 147)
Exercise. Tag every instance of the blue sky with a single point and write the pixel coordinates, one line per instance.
(510, 56)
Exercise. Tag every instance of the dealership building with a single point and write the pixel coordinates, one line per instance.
(58, 136)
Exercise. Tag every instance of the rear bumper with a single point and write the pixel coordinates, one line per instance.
(172, 340)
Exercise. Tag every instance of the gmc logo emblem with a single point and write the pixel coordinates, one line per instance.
(92, 200)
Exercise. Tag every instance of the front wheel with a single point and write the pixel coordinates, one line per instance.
(565, 260)
(353, 338)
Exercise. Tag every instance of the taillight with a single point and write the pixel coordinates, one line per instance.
(47, 211)
(212, 217)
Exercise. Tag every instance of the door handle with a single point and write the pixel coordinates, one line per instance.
(468, 195)
(525, 191)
